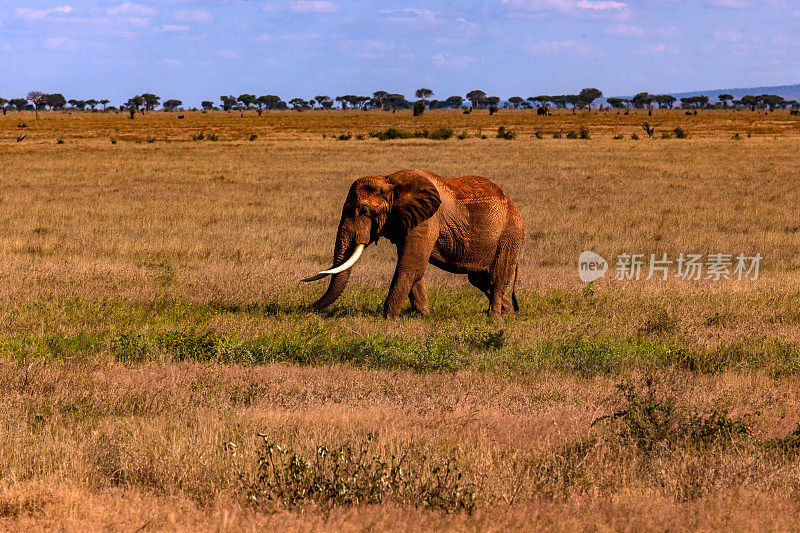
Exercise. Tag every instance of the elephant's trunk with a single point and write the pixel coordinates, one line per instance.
(342, 250)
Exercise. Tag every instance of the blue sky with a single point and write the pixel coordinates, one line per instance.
(199, 50)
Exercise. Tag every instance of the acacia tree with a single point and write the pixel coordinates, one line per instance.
(103, 103)
(724, 98)
(589, 95)
(172, 104)
(477, 98)
(247, 100)
(228, 102)
(19, 103)
(424, 94)
(664, 100)
(150, 101)
(80, 104)
(454, 102)
(38, 99)
(324, 101)
(134, 104)
(208, 105)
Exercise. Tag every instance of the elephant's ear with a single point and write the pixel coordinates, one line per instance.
(415, 199)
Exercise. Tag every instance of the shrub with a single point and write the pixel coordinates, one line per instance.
(463, 135)
(736, 137)
(558, 134)
(441, 134)
(503, 133)
(659, 323)
(59, 141)
(353, 474)
(666, 135)
(538, 134)
(360, 137)
(572, 134)
(419, 108)
(344, 137)
(618, 137)
(680, 133)
(648, 421)
(150, 140)
(252, 137)
(584, 133)
(199, 137)
(634, 136)
(113, 141)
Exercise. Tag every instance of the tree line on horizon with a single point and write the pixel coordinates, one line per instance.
(37, 100)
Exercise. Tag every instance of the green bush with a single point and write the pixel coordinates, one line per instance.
(572, 134)
(353, 474)
(680, 133)
(441, 134)
(584, 133)
(503, 133)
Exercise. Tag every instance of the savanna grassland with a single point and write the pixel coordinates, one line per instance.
(155, 343)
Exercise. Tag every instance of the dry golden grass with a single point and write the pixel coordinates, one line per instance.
(104, 240)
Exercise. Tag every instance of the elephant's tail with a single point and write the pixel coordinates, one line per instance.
(514, 291)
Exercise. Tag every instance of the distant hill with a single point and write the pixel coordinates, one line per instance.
(788, 92)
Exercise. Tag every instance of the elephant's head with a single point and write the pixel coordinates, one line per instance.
(376, 206)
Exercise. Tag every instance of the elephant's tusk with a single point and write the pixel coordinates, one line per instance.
(341, 268)
(347, 264)
(314, 277)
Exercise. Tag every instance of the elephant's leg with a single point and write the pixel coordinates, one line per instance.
(501, 273)
(482, 282)
(419, 297)
(412, 260)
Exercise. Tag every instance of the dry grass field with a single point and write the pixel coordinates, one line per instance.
(155, 342)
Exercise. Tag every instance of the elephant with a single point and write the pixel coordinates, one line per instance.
(465, 225)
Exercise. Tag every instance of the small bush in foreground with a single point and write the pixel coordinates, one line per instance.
(680, 133)
(503, 133)
(353, 474)
(649, 421)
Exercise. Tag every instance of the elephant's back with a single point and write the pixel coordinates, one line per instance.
(476, 188)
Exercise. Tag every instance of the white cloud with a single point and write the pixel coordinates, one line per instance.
(54, 43)
(670, 32)
(130, 9)
(30, 15)
(660, 49)
(728, 36)
(174, 27)
(424, 14)
(313, 6)
(194, 15)
(601, 5)
(268, 38)
(448, 60)
(626, 30)
(731, 4)
(560, 47)
(227, 54)
(563, 6)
